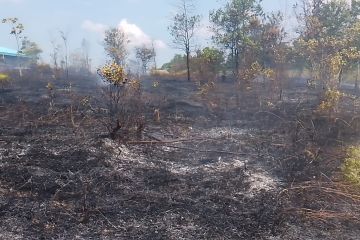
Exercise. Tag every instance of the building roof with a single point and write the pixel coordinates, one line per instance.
(8, 52)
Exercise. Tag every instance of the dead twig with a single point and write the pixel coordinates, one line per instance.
(107, 219)
(345, 122)
(273, 114)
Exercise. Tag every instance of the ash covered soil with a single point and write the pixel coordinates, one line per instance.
(194, 175)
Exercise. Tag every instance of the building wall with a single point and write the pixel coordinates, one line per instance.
(13, 62)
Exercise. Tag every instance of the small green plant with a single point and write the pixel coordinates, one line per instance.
(351, 166)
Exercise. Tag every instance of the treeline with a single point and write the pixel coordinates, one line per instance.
(247, 42)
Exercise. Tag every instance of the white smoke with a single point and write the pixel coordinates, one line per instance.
(135, 34)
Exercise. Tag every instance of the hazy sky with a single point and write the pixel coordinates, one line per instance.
(144, 21)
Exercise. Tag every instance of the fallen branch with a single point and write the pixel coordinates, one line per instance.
(353, 197)
(209, 151)
(324, 214)
(170, 141)
(273, 114)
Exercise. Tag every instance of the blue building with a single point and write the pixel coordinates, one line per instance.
(11, 59)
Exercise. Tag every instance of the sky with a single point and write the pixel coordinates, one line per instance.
(144, 21)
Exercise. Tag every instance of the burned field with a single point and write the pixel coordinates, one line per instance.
(200, 172)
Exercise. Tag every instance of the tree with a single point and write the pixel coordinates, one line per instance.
(355, 13)
(30, 49)
(85, 55)
(54, 55)
(115, 43)
(66, 57)
(79, 59)
(16, 30)
(182, 29)
(231, 25)
(76, 61)
(144, 55)
(178, 63)
(274, 50)
(154, 56)
(272, 39)
(327, 39)
(209, 61)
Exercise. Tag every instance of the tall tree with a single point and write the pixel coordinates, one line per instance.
(54, 55)
(64, 37)
(182, 29)
(327, 39)
(154, 56)
(144, 54)
(231, 25)
(271, 39)
(115, 43)
(355, 13)
(16, 30)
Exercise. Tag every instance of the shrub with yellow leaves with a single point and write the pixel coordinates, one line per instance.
(330, 101)
(123, 100)
(256, 70)
(113, 74)
(327, 56)
(4, 79)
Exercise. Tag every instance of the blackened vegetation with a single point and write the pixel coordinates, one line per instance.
(248, 172)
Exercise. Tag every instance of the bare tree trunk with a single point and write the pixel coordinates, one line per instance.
(65, 40)
(340, 78)
(357, 77)
(154, 55)
(20, 67)
(237, 76)
(188, 65)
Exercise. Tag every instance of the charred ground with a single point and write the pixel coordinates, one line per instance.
(203, 172)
